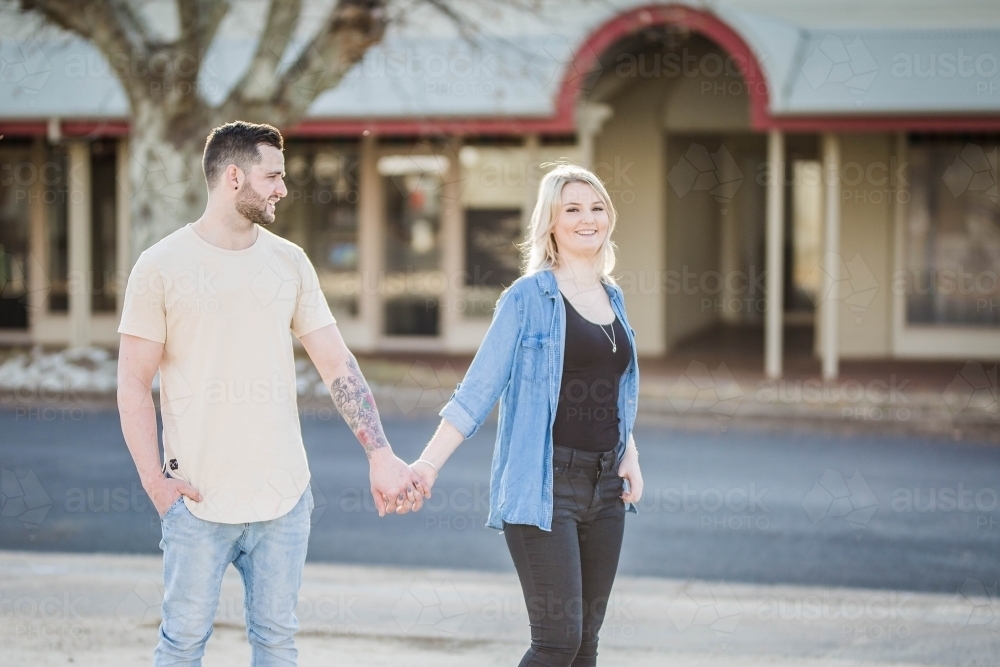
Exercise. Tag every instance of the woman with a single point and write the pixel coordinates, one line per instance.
(560, 357)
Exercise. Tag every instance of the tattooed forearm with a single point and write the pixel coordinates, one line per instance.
(354, 400)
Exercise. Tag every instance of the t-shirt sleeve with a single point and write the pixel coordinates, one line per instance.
(312, 312)
(143, 311)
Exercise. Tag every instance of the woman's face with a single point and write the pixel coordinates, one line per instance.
(582, 223)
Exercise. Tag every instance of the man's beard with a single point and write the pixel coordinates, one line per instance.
(252, 206)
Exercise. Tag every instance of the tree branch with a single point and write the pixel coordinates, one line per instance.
(352, 27)
(467, 28)
(259, 81)
(112, 26)
(200, 21)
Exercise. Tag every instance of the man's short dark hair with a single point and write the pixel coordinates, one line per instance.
(236, 143)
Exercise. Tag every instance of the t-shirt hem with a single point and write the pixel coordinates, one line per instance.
(308, 330)
(131, 331)
(256, 519)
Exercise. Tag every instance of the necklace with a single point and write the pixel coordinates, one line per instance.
(612, 338)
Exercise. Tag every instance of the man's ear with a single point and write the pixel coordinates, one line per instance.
(233, 177)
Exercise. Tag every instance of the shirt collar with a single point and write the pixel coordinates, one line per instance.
(549, 286)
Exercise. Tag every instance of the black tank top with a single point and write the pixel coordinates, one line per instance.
(587, 412)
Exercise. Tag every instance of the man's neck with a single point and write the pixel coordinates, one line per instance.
(233, 232)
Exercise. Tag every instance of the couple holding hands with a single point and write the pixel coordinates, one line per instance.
(211, 306)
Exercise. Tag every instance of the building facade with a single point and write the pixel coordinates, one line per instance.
(768, 172)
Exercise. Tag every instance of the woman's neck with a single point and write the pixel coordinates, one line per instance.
(580, 271)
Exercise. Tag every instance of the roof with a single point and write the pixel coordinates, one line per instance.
(810, 71)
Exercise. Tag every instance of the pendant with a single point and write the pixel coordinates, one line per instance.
(614, 348)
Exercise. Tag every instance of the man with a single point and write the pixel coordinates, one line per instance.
(212, 307)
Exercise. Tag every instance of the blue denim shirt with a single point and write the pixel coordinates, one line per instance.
(520, 362)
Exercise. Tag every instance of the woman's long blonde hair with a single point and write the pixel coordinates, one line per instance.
(539, 249)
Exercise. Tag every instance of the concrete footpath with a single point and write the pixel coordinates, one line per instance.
(100, 610)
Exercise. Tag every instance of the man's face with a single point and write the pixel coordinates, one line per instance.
(263, 187)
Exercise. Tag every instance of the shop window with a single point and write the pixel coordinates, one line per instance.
(17, 175)
(54, 176)
(103, 225)
(414, 282)
(492, 258)
(806, 235)
(320, 214)
(952, 232)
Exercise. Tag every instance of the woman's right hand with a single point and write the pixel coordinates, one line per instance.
(426, 473)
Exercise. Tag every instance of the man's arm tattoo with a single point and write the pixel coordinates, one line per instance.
(354, 400)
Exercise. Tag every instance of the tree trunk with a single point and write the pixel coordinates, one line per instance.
(166, 179)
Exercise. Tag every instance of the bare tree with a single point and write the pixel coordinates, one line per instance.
(170, 119)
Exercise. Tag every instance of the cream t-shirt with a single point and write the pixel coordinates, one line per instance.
(227, 377)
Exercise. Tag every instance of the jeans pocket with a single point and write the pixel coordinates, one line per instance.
(310, 500)
(177, 503)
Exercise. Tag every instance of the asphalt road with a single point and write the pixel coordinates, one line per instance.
(739, 506)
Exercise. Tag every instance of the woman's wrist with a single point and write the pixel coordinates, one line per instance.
(428, 464)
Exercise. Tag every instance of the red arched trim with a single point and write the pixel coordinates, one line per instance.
(587, 57)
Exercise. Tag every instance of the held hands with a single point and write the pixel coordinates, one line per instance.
(629, 469)
(164, 492)
(427, 472)
(395, 487)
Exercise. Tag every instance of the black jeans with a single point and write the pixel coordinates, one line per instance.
(566, 574)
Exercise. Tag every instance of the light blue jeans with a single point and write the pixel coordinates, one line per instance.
(269, 556)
